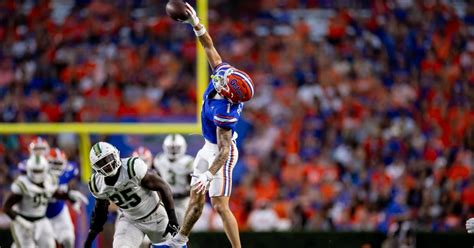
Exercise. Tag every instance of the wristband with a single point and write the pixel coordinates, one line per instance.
(200, 32)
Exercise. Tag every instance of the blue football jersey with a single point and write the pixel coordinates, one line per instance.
(218, 112)
(55, 207)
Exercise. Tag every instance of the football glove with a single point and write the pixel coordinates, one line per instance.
(470, 225)
(202, 182)
(193, 19)
(77, 196)
(171, 228)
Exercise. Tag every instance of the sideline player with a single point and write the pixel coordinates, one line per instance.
(38, 146)
(58, 212)
(175, 167)
(222, 106)
(30, 196)
(128, 184)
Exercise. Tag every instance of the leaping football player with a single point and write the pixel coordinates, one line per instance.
(38, 146)
(221, 109)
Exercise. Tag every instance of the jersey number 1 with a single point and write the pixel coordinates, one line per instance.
(125, 200)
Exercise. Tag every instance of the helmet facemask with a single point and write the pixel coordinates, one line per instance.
(108, 165)
(36, 167)
(173, 151)
(220, 81)
(56, 167)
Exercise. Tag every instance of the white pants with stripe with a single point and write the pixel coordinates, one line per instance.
(131, 233)
(221, 185)
(41, 236)
(63, 228)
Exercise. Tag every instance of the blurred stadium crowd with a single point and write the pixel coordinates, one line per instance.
(359, 116)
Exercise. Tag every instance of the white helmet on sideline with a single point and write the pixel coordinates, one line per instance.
(105, 159)
(36, 168)
(174, 146)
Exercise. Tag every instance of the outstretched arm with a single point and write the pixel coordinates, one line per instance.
(204, 38)
(98, 219)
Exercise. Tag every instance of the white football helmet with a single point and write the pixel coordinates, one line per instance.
(36, 168)
(174, 146)
(144, 154)
(105, 158)
(38, 146)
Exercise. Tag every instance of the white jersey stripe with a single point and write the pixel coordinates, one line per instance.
(224, 120)
(246, 79)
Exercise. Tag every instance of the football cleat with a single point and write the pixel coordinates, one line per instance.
(170, 243)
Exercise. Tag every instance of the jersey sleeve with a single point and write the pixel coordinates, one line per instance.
(222, 65)
(18, 187)
(226, 115)
(75, 171)
(93, 186)
(136, 168)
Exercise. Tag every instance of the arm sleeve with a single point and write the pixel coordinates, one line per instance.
(75, 171)
(15, 188)
(226, 116)
(99, 215)
(220, 66)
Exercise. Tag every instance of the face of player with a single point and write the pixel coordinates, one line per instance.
(36, 175)
(56, 167)
(220, 80)
(39, 151)
(174, 151)
(106, 166)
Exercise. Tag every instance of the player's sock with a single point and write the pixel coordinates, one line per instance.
(180, 238)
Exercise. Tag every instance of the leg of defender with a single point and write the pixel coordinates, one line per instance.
(21, 237)
(155, 225)
(126, 234)
(44, 233)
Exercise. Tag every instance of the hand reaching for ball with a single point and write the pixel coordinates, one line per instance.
(181, 11)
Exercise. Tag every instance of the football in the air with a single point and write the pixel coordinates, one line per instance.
(176, 9)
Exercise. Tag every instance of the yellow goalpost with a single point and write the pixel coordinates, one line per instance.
(84, 130)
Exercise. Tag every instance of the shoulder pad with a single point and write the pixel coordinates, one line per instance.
(93, 185)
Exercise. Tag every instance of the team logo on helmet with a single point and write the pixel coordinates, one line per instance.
(96, 149)
(233, 84)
